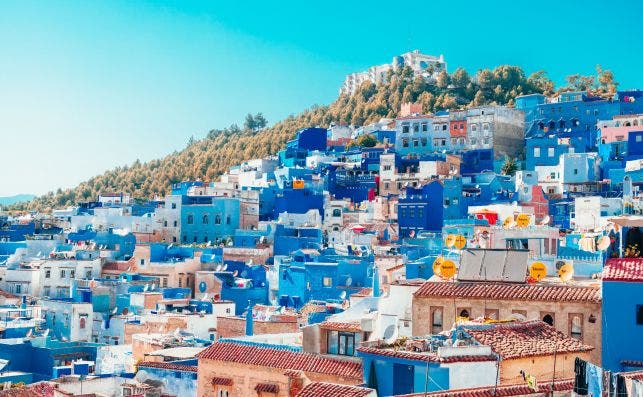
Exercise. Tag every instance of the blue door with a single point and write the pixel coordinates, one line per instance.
(403, 379)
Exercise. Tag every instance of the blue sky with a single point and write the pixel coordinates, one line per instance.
(88, 85)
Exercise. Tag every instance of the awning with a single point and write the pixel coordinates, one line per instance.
(222, 381)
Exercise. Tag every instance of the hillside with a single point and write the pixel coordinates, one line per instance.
(207, 158)
(10, 200)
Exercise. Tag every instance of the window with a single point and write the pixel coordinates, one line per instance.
(222, 393)
(88, 274)
(576, 326)
(492, 314)
(464, 312)
(405, 128)
(485, 127)
(227, 220)
(405, 143)
(639, 314)
(436, 320)
(550, 152)
(206, 219)
(416, 143)
(217, 219)
(190, 219)
(72, 273)
(165, 224)
(337, 212)
(47, 291)
(342, 343)
(416, 127)
(328, 282)
(63, 273)
(424, 141)
(639, 138)
(142, 262)
(47, 273)
(82, 322)
(425, 127)
(18, 288)
(165, 281)
(180, 282)
(536, 152)
(548, 318)
(387, 167)
(575, 171)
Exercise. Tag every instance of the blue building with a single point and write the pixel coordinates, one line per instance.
(622, 322)
(290, 239)
(208, 219)
(476, 161)
(179, 378)
(574, 115)
(307, 276)
(544, 151)
(297, 201)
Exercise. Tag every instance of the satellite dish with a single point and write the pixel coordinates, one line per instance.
(511, 225)
(566, 272)
(436, 264)
(146, 287)
(559, 264)
(603, 243)
(29, 333)
(523, 220)
(545, 220)
(508, 220)
(153, 287)
(342, 295)
(225, 267)
(234, 273)
(450, 240)
(349, 281)
(390, 334)
(460, 241)
(447, 269)
(46, 333)
(3, 363)
(249, 262)
(204, 298)
(115, 310)
(537, 271)
(218, 268)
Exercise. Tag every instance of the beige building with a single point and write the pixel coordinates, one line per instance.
(574, 310)
(240, 370)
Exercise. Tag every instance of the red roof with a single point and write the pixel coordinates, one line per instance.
(634, 375)
(340, 326)
(170, 366)
(525, 339)
(509, 291)
(267, 388)
(500, 391)
(221, 381)
(322, 389)
(632, 363)
(277, 358)
(623, 269)
(366, 291)
(427, 357)
(41, 389)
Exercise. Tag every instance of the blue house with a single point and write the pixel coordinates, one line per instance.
(208, 219)
(622, 322)
(309, 276)
(544, 151)
(297, 201)
(290, 239)
(476, 161)
(179, 378)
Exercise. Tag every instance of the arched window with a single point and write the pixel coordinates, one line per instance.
(206, 219)
(561, 124)
(548, 319)
(436, 320)
(190, 219)
(217, 219)
(464, 313)
(635, 123)
(227, 220)
(627, 124)
(82, 322)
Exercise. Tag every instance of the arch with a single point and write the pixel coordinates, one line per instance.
(548, 319)
(217, 219)
(190, 219)
(464, 313)
(206, 219)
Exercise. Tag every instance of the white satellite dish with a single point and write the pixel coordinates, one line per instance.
(204, 298)
(545, 220)
(342, 295)
(349, 281)
(115, 310)
(218, 268)
(225, 267)
(3, 363)
(170, 246)
(146, 287)
(249, 262)
(46, 333)
(153, 287)
(390, 334)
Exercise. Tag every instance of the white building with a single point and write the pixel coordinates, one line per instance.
(427, 66)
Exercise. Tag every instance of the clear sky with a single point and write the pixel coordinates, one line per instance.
(89, 85)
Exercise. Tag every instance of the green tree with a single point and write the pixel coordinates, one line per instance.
(443, 80)
(509, 167)
(607, 84)
(260, 122)
(249, 124)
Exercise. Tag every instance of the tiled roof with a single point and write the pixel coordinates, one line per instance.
(525, 339)
(41, 389)
(311, 308)
(500, 391)
(632, 363)
(366, 291)
(170, 366)
(221, 381)
(625, 269)
(353, 326)
(267, 388)
(322, 389)
(7, 294)
(426, 357)
(509, 291)
(634, 375)
(276, 358)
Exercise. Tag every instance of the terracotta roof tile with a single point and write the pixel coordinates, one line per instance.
(501, 391)
(322, 389)
(363, 292)
(41, 389)
(632, 363)
(426, 357)
(277, 358)
(353, 326)
(509, 291)
(525, 339)
(221, 381)
(634, 375)
(267, 387)
(625, 269)
(170, 366)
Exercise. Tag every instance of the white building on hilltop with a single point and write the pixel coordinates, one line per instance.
(427, 66)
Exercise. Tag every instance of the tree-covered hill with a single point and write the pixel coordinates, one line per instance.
(207, 158)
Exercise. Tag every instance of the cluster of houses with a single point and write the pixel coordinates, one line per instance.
(414, 266)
